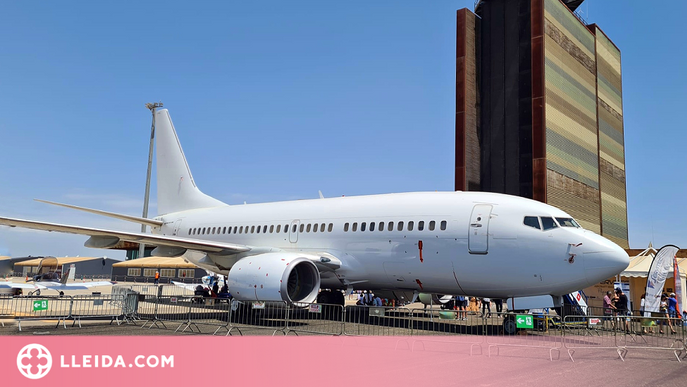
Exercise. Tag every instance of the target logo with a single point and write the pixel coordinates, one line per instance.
(34, 361)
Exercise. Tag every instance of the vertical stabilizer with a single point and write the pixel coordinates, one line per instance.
(176, 190)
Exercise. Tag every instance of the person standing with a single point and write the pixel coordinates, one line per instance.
(157, 277)
(608, 309)
(621, 307)
(486, 304)
(499, 306)
(462, 304)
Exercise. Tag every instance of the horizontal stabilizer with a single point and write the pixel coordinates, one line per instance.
(128, 218)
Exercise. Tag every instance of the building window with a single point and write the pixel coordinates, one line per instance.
(420, 225)
(133, 272)
(169, 273)
(443, 225)
(187, 273)
(149, 272)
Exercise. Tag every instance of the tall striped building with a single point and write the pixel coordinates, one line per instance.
(539, 110)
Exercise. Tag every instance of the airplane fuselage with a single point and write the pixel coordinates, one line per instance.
(470, 243)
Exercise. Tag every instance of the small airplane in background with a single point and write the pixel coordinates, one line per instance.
(50, 278)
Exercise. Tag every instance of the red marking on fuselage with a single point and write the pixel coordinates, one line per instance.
(419, 245)
(419, 283)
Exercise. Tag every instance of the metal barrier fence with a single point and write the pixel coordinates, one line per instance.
(76, 308)
(625, 333)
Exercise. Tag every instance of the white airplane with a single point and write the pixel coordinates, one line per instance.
(469, 243)
(48, 278)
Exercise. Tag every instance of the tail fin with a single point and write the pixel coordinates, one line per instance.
(176, 190)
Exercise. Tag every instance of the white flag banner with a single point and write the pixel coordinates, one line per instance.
(660, 267)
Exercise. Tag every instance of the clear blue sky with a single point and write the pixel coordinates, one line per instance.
(276, 100)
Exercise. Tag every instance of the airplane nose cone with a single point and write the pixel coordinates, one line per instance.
(603, 259)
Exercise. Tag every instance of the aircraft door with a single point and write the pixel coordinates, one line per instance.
(478, 237)
(177, 225)
(293, 231)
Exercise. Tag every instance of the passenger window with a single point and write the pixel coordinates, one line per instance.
(391, 226)
(278, 228)
(331, 227)
(548, 223)
(314, 227)
(400, 226)
(532, 221)
(443, 225)
(421, 225)
(224, 230)
(189, 231)
(322, 226)
(203, 230)
(381, 226)
(302, 227)
(362, 226)
(410, 225)
(307, 229)
(432, 224)
(252, 229)
(272, 229)
(241, 230)
(258, 230)
(346, 227)
(355, 226)
(264, 229)
(213, 230)
(235, 229)
(286, 228)
(372, 226)
(293, 229)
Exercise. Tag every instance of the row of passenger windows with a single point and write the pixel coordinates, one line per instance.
(314, 227)
(400, 226)
(548, 223)
(264, 229)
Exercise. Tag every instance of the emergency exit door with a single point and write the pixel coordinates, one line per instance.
(478, 236)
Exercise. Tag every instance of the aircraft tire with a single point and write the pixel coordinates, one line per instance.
(509, 325)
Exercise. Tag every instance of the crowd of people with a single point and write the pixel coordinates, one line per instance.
(615, 310)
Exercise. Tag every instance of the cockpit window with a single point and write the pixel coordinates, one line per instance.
(532, 221)
(548, 223)
(567, 222)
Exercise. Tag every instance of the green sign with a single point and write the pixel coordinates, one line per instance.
(524, 321)
(40, 305)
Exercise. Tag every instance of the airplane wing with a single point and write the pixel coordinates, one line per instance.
(73, 285)
(101, 238)
(190, 287)
(17, 285)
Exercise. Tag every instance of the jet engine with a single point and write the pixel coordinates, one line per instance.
(434, 299)
(289, 277)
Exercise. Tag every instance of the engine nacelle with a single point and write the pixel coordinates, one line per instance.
(434, 299)
(289, 277)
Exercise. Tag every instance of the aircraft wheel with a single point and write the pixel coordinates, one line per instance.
(509, 325)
